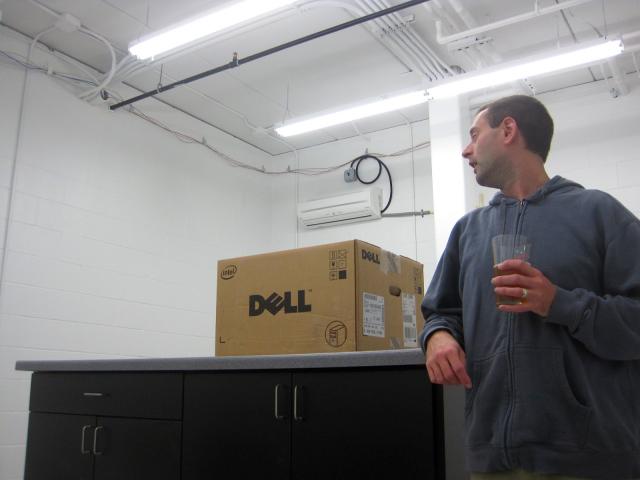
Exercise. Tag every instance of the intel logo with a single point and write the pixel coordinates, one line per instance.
(228, 272)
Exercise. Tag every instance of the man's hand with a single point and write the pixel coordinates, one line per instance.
(540, 292)
(446, 360)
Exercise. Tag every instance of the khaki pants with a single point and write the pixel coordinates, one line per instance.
(519, 475)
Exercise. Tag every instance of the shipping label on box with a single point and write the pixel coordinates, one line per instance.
(373, 312)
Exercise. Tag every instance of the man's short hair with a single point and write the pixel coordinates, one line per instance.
(530, 115)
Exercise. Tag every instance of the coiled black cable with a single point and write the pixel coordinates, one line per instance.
(381, 164)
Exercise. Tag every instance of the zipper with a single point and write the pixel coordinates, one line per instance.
(511, 317)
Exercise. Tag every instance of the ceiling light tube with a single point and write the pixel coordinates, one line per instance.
(202, 26)
(354, 113)
(562, 59)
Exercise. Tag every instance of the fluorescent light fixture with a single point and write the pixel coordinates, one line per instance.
(354, 113)
(540, 64)
(203, 25)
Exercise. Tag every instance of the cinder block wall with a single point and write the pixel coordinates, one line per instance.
(116, 228)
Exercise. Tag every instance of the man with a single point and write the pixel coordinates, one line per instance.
(553, 383)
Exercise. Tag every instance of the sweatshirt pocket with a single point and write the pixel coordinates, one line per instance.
(546, 410)
(485, 402)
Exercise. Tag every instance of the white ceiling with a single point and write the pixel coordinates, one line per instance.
(352, 65)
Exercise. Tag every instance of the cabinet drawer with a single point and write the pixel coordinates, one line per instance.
(140, 395)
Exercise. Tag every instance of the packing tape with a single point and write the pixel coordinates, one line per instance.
(389, 262)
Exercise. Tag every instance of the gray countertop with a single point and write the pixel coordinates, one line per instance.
(412, 356)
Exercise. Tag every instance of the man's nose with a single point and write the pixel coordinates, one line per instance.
(467, 151)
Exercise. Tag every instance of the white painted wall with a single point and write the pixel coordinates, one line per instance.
(597, 140)
(409, 236)
(116, 228)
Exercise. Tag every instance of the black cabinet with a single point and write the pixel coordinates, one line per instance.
(133, 449)
(57, 447)
(236, 425)
(104, 426)
(373, 424)
(316, 424)
(295, 423)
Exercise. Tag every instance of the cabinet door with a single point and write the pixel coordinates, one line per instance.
(136, 449)
(236, 425)
(59, 447)
(373, 424)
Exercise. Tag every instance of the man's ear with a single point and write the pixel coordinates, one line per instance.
(509, 130)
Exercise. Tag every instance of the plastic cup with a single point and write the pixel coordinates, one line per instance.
(506, 247)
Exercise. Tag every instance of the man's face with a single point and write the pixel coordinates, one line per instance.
(484, 152)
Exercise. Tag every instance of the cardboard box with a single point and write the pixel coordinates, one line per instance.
(339, 297)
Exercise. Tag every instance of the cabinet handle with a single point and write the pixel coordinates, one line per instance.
(95, 441)
(83, 450)
(93, 394)
(297, 404)
(276, 402)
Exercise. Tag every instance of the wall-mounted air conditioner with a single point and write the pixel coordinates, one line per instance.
(341, 209)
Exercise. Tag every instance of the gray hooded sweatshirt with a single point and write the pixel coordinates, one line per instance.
(560, 394)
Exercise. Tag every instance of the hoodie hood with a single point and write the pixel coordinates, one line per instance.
(556, 184)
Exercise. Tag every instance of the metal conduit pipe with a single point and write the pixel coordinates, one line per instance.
(358, 12)
(140, 66)
(407, 37)
(627, 37)
(129, 66)
(74, 63)
(88, 32)
(435, 73)
(443, 67)
(463, 14)
(403, 35)
(421, 65)
(476, 56)
(92, 91)
(632, 49)
(443, 40)
(432, 73)
(618, 77)
(415, 60)
(470, 22)
(482, 56)
(425, 67)
(88, 94)
(407, 63)
(488, 50)
(440, 65)
(45, 8)
(270, 51)
(398, 34)
(137, 67)
(128, 59)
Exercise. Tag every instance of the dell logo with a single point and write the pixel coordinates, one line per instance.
(370, 256)
(274, 303)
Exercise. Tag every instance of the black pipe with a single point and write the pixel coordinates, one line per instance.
(236, 61)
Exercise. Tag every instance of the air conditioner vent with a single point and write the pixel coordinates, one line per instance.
(352, 207)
